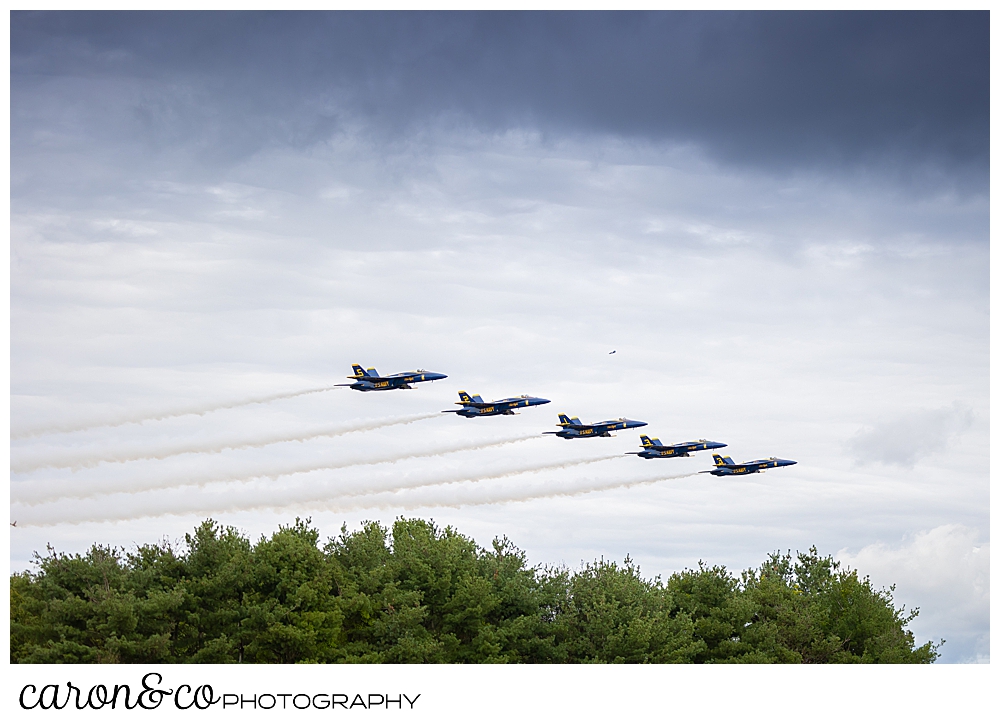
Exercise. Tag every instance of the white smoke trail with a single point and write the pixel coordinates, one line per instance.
(79, 461)
(156, 416)
(226, 501)
(70, 490)
(495, 497)
(434, 482)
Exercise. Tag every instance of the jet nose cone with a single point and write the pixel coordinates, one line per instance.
(787, 462)
(436, 376)
(635, 423)
(540, 401)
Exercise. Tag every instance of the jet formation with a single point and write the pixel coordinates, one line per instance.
(571, 428)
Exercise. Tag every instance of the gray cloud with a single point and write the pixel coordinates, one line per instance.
(904, 92)
(911, 437)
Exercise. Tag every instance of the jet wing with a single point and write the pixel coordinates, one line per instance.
(473, 403)
(418, 376)
(373, 378)
(607, 424)
(583, 425)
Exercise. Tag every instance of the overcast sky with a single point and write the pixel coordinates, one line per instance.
(778, 221)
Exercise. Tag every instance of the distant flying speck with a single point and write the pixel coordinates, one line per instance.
(612, 351)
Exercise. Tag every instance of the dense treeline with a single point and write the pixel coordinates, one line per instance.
(423, 594)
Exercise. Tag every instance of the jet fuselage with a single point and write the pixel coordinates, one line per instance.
(573, 429)
(726, 466)
(370, 381)
(653, 448)
(474, 406)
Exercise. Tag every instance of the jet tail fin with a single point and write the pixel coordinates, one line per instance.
(360, 372)
(648, 442)
(566, 420)
(464, 396)
(722, 460)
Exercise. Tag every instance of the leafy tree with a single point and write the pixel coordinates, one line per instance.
(614, 616)
(806, 610)
(830, 615)
(712, 598)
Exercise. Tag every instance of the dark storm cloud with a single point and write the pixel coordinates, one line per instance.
(773, 89)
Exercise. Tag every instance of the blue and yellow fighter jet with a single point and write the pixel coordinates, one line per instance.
(653, 448)
(573, 429)
(367, 380)
(473, 405)
(726, 466)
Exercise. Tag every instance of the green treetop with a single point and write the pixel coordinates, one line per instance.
(421, 594)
